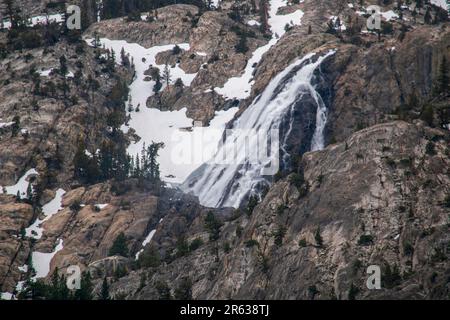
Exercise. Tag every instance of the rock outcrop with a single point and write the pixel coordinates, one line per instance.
(379, 198)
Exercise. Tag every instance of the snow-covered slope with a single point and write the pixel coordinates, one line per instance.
(178, 158)
(441, 3)
(240, 87)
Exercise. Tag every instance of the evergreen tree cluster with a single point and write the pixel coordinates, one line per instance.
(213, 225)
(57, 289)
(119, 246)
(112, 162)
(22, 35)
(145, 166)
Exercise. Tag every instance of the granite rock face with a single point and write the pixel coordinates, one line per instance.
(376, 199)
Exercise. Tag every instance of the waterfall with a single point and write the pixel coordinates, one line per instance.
(227, 183)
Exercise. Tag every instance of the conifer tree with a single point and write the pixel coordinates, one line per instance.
(442, 85)
(166, 74)
(104, 294)
(85, 291)
(119, 246)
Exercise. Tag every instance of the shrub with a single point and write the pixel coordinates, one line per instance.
(251, 243)
(195, 244)
(251, 204)
(239, 230)
(149, 258)
(318, 238)
(163, 290)
(391, 277)
(179, 83)
(429, 149)
(212, 225)
(184, 290)
(408, 249)
(438, 255)
(176, 50)
(356, 265)
(428, 115)
(386, 28)
(446, 202)
(120, 272)
(365, 240)
(280, 209)
(182, 247)
(352, 292)
(406, 162)
(302, 243)
(241, 46)
(390, 162)
(297, 180)
(279, 235)
(75, 206)
(226, 247)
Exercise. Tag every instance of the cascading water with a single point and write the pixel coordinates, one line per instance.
(226, 184)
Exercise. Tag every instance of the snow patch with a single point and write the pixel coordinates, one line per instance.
(41, 261)
(444, 4)
(22, 185)
(35, 230)
(253, 23)
(145, 242)
(6, 124)
(6, 296)
(23, 268)
(389, 15)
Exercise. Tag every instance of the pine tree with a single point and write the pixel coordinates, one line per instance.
(213, 225)
(119, 246)
(130, 104)
(442, 85)
(15, 126)
(80, 162)
(427, 18)
(166, 74)
(318, 238)
(63, 65)
(163, 290)
(124, 58)
(29, 192)
(153, 166)
(85, 291)
(13, 13)
(58, 289)
(184, 290)
(104, 294)
(264, 15)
